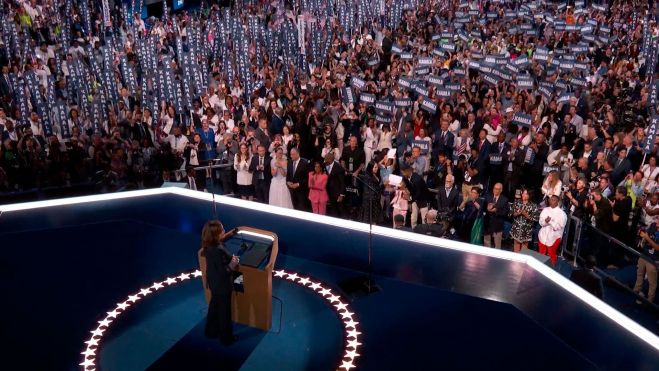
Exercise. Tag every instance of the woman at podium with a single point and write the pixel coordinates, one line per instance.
(219, 267)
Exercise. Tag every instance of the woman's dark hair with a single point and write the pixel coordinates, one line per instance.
(322, 168)
(210, 234)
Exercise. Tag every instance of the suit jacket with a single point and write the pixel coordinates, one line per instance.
(450, 202)
(517, 161)
(335, 182)
(620, 171)
(540, 157)
(494, 220)
(445, 144)
(418, 189)
(218, 275)
(300, 174)
(484, 149)
(277, 124)
(267, 174)
(263, 138)
(5, 89)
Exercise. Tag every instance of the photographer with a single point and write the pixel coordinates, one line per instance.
(647, 266)
(576, 198)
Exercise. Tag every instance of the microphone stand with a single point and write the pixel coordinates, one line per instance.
(355, 285)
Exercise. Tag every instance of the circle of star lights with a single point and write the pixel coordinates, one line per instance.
(340, 306)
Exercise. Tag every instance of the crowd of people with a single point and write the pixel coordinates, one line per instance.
(480, 121)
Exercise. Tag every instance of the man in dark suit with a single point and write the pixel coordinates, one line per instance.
(621, 166)
(513, 162)
(483, 146)
(498, 151)
(277, 123)
(443, 141)
(5, 84)
(297, 176)
(448, 198)
(335, 186)
(261, 175)
(262, 134)
(496, 211)
(127, 99)
(541, 150)
(419, 194)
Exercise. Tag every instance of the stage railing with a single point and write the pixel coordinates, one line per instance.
(582, 239)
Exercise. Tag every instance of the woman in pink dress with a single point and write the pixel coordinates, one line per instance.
(317, 189)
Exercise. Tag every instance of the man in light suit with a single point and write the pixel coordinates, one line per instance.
(297, 176)
(261, 175)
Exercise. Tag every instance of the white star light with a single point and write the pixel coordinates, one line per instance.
(347, 365)
(350, 324)
(346, 315)
(97, 332)
(353, 344)
(89, 362)
(334, 298)
(350, 336)
(353, 334)
(113, 314)
(89, 352)
(133, 298)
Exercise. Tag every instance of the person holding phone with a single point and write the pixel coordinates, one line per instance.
(220, 264)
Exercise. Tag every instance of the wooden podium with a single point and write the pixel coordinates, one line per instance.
(253, 305)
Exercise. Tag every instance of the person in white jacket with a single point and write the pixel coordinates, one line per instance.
(552, 223)
(370, 136)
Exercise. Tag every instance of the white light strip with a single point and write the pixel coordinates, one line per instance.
(600, 306)
(622, 320)
(340, 306)
(83, 199)
(259, 235)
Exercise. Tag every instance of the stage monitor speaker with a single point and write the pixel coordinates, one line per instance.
(544, 259)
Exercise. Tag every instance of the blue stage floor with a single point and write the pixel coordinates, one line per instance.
(59, 282)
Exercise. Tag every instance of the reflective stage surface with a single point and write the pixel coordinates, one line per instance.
(452, 306)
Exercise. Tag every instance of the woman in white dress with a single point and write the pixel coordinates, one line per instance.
(279, 194)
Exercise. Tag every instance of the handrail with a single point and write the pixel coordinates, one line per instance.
(615, 240)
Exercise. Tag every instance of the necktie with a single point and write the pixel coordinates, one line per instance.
(295, 166)
(261, 176)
